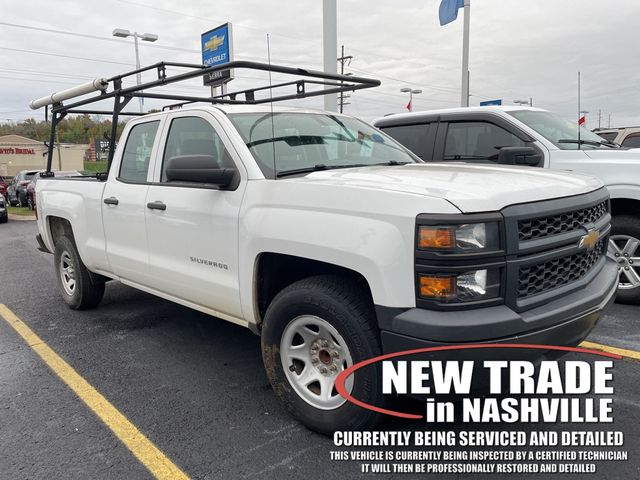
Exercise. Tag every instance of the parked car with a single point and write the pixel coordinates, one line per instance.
(539, 139)
(31, 187)
(4, 185)
(333, 242)
(4, 214)
(628, 137)
(17, 191)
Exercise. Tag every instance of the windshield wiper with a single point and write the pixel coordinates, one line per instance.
(582, 142)
(319, 167)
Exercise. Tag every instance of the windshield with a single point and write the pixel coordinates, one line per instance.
(310, 141)
(562, 133)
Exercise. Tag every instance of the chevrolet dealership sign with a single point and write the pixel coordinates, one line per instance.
(217, 49)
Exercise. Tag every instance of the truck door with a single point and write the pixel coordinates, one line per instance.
(192, 229)
(123, 204)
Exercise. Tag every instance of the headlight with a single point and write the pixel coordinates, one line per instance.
(465, 238)
(460, 287)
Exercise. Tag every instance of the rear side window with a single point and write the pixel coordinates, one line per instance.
(194, 136)
(608, 136)
(479, 141)
(632, 141)
(137, 152)
(414, 137)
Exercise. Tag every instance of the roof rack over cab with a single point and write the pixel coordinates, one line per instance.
(113, 88)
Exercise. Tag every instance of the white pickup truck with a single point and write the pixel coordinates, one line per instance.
(537, 138)
(331, 241)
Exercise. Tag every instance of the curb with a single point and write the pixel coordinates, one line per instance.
(22, 218)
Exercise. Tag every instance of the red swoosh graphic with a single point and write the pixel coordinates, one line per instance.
(340, 380)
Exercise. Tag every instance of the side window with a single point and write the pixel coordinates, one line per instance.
(190, 136)
(479, 141)
(137, 152)
(413, 137)
(632, 141)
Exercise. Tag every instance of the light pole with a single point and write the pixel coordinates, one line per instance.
(147, 37)
(411, 92)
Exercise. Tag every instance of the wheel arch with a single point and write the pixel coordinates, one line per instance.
(275, 271)
(625, 206)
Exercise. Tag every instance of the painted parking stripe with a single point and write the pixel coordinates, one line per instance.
(618, 351)
(142, 448)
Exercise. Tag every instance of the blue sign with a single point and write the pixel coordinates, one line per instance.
(217, 49)
(491, 102)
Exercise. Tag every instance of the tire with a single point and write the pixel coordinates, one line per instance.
(343, 314)
(30, 204)
(624, 244)
(4, 219)
(80, 289)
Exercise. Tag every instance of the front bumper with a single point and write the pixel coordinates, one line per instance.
(565, 321)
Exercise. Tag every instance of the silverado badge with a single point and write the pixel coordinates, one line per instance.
(589, 240)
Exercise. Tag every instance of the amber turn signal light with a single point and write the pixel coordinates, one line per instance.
(437, 287)
(436, 238)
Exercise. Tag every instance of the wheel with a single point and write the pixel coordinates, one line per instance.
(4, 219)
(21, 203)
(30, 203)
(80, 288)
(623, 244)
(314, 329)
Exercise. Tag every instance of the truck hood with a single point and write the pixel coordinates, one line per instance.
(471, 188)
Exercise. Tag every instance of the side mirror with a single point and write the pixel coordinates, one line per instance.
(199, 169)
(519, 156)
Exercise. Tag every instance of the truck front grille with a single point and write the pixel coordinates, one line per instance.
(545, 276)
(540, 227)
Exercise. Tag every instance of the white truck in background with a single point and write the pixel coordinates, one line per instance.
(536, 138)
(331, 241)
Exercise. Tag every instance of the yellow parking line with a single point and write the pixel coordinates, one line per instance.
(606, 348)
(143, 449)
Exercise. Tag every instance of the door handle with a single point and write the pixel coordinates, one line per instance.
(111, 201)
(156, 206)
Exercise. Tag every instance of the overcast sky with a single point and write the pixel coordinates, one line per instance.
(519, 49)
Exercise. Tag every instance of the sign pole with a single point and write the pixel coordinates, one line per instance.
(464, 99)
(330, 47)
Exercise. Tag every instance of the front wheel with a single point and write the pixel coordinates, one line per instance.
(80, 288)
(624, 245)
(313, 330)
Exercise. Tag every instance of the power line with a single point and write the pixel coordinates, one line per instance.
(36, 52)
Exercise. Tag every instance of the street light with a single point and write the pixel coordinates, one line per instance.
(147, 37)
(411, 92)
(521, 102)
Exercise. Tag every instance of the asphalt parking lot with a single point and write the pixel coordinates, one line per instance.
(193, 385)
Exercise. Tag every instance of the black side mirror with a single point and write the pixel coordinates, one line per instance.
(519, 156)
(199, 169)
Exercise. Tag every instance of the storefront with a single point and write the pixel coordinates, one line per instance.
(21, 153)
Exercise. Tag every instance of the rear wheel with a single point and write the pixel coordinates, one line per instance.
(313, 330)
(80, 288)
(624, 245)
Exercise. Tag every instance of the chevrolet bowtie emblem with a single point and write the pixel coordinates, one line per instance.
(589, 240)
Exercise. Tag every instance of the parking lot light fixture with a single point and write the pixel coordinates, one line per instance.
(147, 37)
(411, 92)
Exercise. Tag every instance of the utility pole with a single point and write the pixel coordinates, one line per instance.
(343, 60)
(531, 101)
(464, 102)
(609, 121)
(599, 117)
(330, 46)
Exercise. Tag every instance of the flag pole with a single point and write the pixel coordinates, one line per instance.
(464, 100)
(579, 146)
